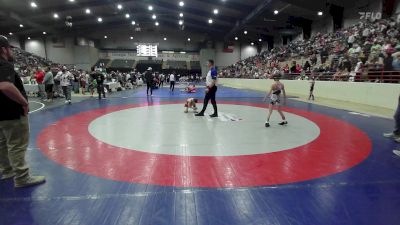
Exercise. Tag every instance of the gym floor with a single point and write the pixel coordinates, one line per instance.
(137, 160)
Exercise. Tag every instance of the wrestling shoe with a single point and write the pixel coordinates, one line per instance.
(199, 114)
(267, 124)
(283, 123)
(214, 115)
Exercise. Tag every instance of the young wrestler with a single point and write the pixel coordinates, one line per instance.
(275, 99)
(191, 103)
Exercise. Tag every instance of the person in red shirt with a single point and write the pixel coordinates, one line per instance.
(39, 76)
(298, 68)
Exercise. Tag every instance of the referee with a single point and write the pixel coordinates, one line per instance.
(211, 90)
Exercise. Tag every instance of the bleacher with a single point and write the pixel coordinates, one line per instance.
(195, 65)
(176, 65)
(122, 64)
(104, 62)
(142, 65)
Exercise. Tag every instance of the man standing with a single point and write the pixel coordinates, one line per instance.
(211, 90)
(14, 125)
(99, 77)
(149, 81)
(172, 82)
(65, 80)
(39, 76)
(48, 84)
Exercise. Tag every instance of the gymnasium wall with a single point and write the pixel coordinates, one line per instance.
(224, 59)
(247, 51)
(65, 52)
(396, 10)
(178, 41)
(351, 14)
(324, 25)
(373, 94)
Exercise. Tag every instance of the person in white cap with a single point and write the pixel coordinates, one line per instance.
(149, 80)
(65, 79)
(14, 124)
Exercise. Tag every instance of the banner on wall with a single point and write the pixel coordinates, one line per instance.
(229, 47)
(161, 56)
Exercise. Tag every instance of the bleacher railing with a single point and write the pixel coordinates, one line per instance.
(378, 76)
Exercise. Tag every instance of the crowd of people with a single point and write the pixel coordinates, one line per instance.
(59, 81)
(358, 53)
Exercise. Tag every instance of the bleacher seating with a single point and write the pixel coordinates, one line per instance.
(178, 65)
(142, 65)
(104, 62)
(195, 65)
(368, 48)
(122, 64)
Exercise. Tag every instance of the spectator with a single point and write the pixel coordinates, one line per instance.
(14, 124)
(65, 81)
(39, 76)
(48, 84)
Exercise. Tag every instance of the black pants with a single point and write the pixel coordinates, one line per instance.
(100, 90)
(210, 96)
(172, 86)
(149, 87)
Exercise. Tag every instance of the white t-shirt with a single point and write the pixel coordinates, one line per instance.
(171, 77)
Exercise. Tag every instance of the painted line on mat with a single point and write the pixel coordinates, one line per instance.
(42, 106)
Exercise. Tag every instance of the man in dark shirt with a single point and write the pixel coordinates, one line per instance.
(14, 125)
(149, 80)
(99, 77)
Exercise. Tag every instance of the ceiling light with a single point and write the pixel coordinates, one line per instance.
(21, 25)
(154, 16)
(180, 22)
(181, 3)
(150, 8)
(127, 15)
(260, 40)
(320, 13)
(210, 21)
(180, 14)
(216, 11)
(165, 39)
(87, 11)
(245, 32)
(157, 24)
(236, 38)
(105, 37)
(131, 38)
(99, 19)
(71, 0)
(276, 12)
(252, 43)
(29, 38)
(10, 33)
(33, 5)
(119, 6)
(44, 32)
(133, 22)
(55, 15)
(189, 39)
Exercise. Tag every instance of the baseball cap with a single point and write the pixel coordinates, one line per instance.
(4, 42)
